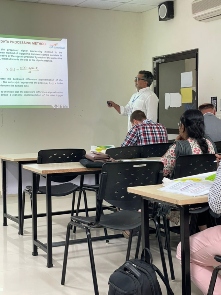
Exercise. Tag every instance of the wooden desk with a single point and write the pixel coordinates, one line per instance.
(152, 193)
(20, 159)
(48, 170)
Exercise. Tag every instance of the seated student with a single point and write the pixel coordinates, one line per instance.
(191, 130)
(212, 123)
(144, 131)
(191, 136)
(206, 244)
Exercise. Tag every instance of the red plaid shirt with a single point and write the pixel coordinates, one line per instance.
(147, 132)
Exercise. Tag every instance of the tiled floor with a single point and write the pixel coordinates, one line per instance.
(21, 273)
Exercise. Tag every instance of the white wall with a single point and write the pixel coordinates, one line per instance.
(106, 49)
(103, 59)
(184, 33)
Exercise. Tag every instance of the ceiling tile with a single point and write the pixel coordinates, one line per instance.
(147, 2)
(100, 4)
(133, 8)
(62, 2)
(121, 5)
(27, 0)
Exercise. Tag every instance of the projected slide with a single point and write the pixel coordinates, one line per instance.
(33, 72)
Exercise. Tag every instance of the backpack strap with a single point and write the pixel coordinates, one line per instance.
(146, 250)
(182, 148)
(169, 290)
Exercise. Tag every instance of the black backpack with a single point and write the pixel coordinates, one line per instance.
(137, 277)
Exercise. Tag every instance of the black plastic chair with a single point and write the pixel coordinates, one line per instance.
(218, 146)
(115, 178)
(214, 276)
(125, 152)
(194, 164)
(154, 150)
(191, 165)
(65, 187)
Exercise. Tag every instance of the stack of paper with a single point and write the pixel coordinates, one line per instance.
(196, 185)
(189, 187)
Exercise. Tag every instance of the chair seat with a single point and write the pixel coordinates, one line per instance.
(91, 187)
(120, 220)
(60, 190)
(56, 190)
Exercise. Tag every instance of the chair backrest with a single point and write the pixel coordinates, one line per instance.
(194, 164)
(154, 150)
(218, 146)
(125, 152)
(116, 177)
(60, 156)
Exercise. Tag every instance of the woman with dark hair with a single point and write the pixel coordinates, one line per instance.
(192, 131)
(192, 140)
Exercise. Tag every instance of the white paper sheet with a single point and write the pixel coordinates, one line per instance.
(175, 100)
(186, 79)
(167, 101)
(195, 185)
(189, 188)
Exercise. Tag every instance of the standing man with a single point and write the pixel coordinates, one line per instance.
(144, 131)
(212, 123)
(144, 99)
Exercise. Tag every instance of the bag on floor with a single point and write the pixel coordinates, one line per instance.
(137, 277)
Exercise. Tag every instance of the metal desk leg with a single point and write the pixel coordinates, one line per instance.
(34, 213)
(49, 221)
(145, 225)
(97, 176)
(4, 193)
(20, 231)
(185, 250)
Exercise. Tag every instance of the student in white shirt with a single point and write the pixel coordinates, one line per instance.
(206, 244)
(144, 99)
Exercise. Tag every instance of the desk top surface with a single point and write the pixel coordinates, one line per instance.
(19, 157)
(33, 157)
(53, 168)
(153, 192)
(68, 167)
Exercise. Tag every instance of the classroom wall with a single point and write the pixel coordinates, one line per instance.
(104, 56)
(103, 59)
(184, 33)
(106, 49)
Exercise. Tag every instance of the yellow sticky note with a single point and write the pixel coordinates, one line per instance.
(186, 95)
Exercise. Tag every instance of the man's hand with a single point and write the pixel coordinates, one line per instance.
(110, 103)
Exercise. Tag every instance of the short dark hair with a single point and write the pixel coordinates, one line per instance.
(206, 106)
(148, 76)
(137, 115)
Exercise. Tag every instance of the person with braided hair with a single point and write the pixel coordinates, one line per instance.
(192, 131)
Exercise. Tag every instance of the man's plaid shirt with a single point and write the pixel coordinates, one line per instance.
(147, 132)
